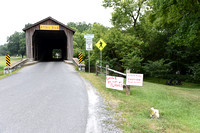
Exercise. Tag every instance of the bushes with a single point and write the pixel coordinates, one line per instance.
(158, 69)
(195, 69)
(161, 69)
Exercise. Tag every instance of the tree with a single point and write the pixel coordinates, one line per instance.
(180, 18)
(157, 69)
(195, 72)
(126, 48)
(13, 43)
(79, 43)
(79, 40)
(16, 44)
(126, 13)
(22, 45)
(27, 25)
(79, 26)
(3, 50)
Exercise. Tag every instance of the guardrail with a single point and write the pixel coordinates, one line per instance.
(105, 71)
(76, 63)
(14, 66)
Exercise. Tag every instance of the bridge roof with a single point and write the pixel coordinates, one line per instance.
(49, 18)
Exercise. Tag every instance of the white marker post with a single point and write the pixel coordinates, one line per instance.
(89, 47)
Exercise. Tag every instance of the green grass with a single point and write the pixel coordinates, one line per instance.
(3, 62)
(179, 106)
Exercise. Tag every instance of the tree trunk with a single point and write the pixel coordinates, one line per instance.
(135, 22)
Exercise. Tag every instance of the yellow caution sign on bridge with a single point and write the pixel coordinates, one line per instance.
(7, 60)
(80, 57)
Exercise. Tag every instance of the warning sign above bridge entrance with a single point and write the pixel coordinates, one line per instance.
(101, 44)
(49, 27)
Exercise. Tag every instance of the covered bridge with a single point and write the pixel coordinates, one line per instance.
(49, 40)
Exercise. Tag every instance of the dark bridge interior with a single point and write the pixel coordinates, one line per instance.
(49, 45)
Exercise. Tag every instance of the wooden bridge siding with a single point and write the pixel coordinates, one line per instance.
(29, 34)
(29, 39)
(70, 44)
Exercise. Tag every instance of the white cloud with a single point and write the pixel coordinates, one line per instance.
(15, 14)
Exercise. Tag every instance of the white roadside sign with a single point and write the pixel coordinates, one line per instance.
(114, 82)
(89, 36)
(89, 44)
(89, 41)
(134, 79)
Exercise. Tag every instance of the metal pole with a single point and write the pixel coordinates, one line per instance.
(89, 62)
(101, 59)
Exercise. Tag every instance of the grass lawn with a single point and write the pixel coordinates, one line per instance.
(3, 62)
(179, 106)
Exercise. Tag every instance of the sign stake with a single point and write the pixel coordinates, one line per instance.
(89, 62)
(101, 60)
(100, 45)
(89, 47)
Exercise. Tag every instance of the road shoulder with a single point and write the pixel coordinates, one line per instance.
(100, 119)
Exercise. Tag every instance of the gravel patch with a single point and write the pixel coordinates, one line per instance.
(100, 120)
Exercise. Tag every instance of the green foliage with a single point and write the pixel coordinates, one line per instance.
(80, 26)
(13, 43)
(122, 50)
(157, 68)
(57, 53)
(126, 13)
(16, 44)
(179, 17)
(127, 50)
(132, 62)
(79, 41)
(22, 45)
(3, 50)
(27, 25)
(195, 72)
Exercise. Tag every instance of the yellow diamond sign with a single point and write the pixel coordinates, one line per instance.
(101, 44)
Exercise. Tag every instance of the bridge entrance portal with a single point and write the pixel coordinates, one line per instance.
(49, 40)
(45, 44)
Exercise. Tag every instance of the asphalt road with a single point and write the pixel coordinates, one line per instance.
(48, 97)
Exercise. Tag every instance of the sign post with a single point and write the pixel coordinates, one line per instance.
(100, 45)
(89, 47)
(101, 59)
(89, 61)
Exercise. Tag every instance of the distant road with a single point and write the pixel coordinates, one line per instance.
(48, 97)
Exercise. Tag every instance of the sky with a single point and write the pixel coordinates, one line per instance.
(14, 14)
